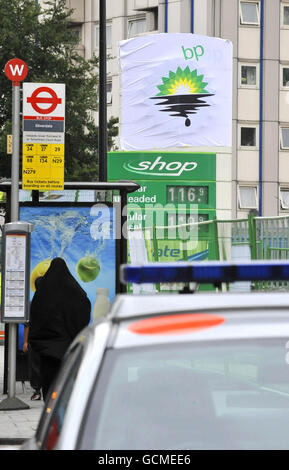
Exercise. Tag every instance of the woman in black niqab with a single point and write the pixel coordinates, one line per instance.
(60, 309)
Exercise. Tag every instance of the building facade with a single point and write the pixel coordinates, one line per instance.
(259, 31)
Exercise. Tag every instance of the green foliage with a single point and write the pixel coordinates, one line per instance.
(45, 40)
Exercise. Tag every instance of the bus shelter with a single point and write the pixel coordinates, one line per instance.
(86, 224)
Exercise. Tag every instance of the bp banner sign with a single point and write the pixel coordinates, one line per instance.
(176, 91)
(43, 136)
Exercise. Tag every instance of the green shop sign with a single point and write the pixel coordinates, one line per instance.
(161, 166)
(176, 189)
(171, 184)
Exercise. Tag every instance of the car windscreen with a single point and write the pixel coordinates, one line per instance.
(198, 395)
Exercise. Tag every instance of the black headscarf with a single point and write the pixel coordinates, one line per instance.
(37, 282)
(60, 309)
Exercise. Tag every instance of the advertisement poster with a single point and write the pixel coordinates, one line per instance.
(176, 91)
(82, 235)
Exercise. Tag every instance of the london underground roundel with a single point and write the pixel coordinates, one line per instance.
(37, 100)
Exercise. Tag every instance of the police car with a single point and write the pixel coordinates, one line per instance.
(177, 372)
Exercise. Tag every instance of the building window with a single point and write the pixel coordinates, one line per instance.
(248, 197)
(76, 32)
(249, 13)
(248, 136)
(108, 36)
(285, 15)
(136, 27)
(154, 13)
(284, 138)
(152, 19)
(284, 198)
(248, 75)
(285, 77)
(109, 92)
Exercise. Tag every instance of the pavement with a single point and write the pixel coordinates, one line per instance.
(17, 425)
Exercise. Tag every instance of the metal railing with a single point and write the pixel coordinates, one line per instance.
(263, 238)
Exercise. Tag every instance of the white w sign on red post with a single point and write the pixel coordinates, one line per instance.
(16, 70)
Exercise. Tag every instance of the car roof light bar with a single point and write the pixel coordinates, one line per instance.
(205, 272)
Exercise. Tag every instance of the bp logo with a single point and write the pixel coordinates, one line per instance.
(182, 93)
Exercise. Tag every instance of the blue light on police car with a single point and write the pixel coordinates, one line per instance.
(205, 272)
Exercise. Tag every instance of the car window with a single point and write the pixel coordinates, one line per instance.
(53, 415)
(232, 395)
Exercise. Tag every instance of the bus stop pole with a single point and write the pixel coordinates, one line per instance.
(11, 401)
(14, 218)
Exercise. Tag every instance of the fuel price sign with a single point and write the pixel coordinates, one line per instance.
(188, 194)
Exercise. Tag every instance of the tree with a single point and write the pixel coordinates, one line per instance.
(45, 40)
